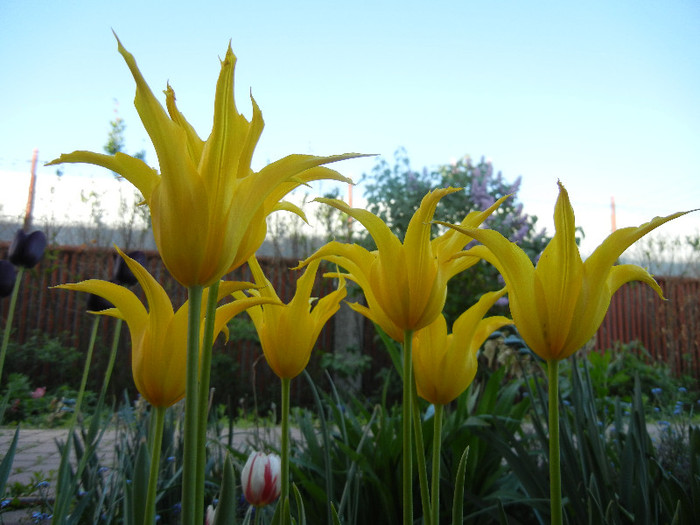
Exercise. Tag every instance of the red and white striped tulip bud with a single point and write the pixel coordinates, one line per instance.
(261, 478)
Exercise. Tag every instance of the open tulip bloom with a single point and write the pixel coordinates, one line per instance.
(445, 364)
(159, 334)
(405, 285)
(208, 206)
(288, 333)
(559, 304)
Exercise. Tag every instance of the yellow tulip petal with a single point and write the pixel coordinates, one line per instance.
(519, 275)
(605, 255)
(559, 276)
(466, 323)
(488, 326)
(195, 145)
(292, 208)
(168, 139)
(454, 240)
(129, 306)
(378, 317)
(385, 240)
(134, 170)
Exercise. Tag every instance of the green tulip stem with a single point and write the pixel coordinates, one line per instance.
(86, 370)
(554, 458)
(203, 395)
(420, 457)
(189, 466)
(284, 451)
(10, 316)
(156, 440)
(435, 476)
(407, 410)
(112, 359)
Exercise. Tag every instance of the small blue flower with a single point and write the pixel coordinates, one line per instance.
(656, 391)
(5, 503)
(177, 508)
(170, 459)
(566, 402)
(42, 484)
(678, 410)
(682, 389)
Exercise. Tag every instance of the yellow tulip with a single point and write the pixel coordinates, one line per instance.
(288, 332)
(405, 284)
(158, 335)
(560, 304)
(445, 365)
(208, 207)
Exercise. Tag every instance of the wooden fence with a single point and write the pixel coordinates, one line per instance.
(63, 314)
(669, 330)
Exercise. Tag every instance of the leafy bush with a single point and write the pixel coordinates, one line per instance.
(48, 360)
(349, 453)
(613, 471)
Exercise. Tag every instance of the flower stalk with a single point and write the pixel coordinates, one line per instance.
(554, 457)
(10, 317)
(435, 475)
(189, 468)
(284, 451)
(156, 440)
(203, 393)
(407, 465)
(420, 459)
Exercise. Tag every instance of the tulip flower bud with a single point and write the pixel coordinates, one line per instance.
(261, 478)
(122, 274)
(211, 516)
(27, 250)
(8, 274)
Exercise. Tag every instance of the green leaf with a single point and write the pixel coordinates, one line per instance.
(226, 508)
(458, 499)
(6, 464)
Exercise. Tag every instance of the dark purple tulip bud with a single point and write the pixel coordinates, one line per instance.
(97, 304)
(122, 274)
(27, 250)
(8, 274)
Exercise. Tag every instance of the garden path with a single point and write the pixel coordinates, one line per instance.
(37, 457)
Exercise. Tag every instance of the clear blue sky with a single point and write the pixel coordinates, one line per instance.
(603, 95)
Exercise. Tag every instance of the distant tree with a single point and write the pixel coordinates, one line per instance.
(394, 193)
(135, 219)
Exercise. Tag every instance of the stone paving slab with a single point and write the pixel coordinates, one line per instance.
(37, 450)
(37, 457)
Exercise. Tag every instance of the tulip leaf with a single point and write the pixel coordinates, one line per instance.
(226, 509)
(458, 500)
(300, 504)
(6, 464)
